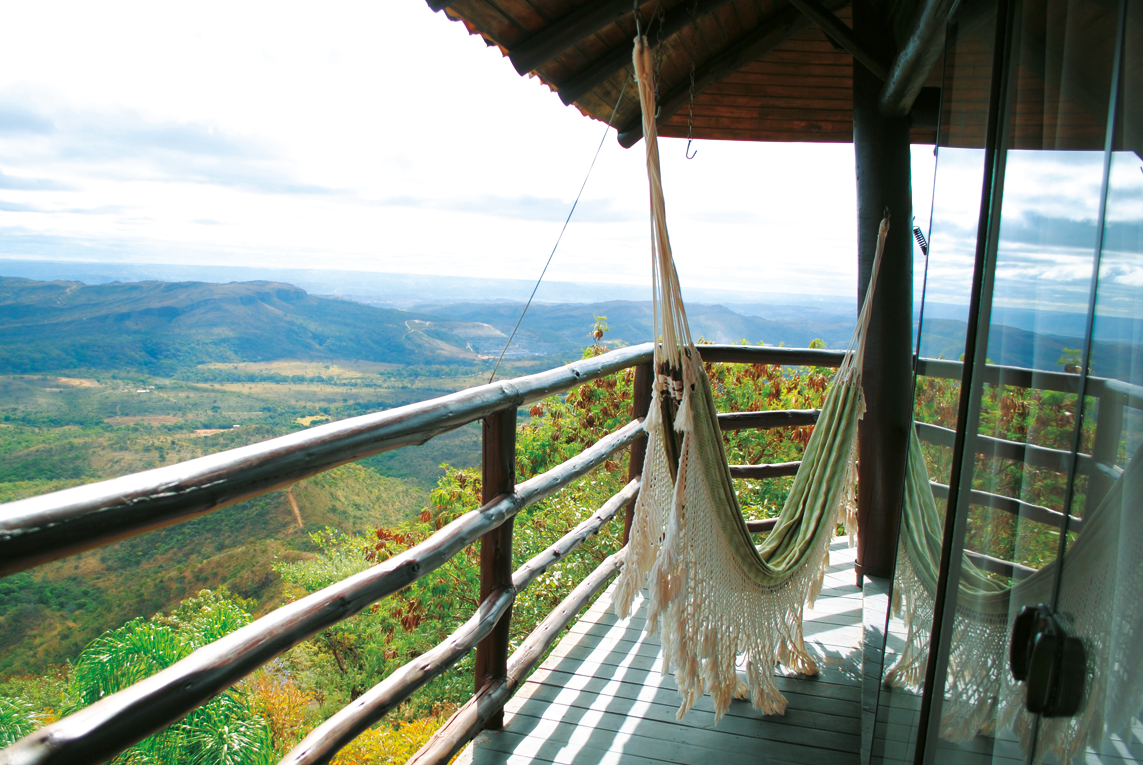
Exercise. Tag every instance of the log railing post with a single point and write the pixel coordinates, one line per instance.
(640, 405)
(498, 470)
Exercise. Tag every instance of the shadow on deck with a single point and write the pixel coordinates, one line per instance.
(600, 697)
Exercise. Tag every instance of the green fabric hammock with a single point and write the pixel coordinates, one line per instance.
(713, 596)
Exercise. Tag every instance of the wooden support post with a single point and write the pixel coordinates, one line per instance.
(640, 405)
(881, 149)
(498, 471)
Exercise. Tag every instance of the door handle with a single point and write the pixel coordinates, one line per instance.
(1044, 654)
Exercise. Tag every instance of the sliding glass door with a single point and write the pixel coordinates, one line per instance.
(1017, 610)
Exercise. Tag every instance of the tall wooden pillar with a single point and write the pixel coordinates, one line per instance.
(881, 147)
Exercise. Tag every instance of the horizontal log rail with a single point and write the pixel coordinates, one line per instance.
(1030, 454)
(1111, 472)
(1013, 506)
(772, 470)
(783, 418)
(761, 526)
(528, 572)
(1128, 394)
(119, 721)
(718, 353)
(1016, 377)
(469, 720)
(51, 526)
(999, 566)
(327, 739)
(323, 742)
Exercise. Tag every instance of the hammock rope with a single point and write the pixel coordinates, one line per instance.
(1099, 593)
(713, 596)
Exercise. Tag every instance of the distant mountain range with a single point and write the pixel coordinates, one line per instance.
(555, 329)
(392, 290)
(158, 327)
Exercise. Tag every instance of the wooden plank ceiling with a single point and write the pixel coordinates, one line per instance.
(763, 71)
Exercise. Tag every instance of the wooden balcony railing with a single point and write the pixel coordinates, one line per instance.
(56, 525)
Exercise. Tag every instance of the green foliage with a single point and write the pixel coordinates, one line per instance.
(270, 712)
(350, 657)
(598, 328)
(18, 718)
(758, 387)
(1023, 415)
(67, 596)
(227, 730)
(97, 428)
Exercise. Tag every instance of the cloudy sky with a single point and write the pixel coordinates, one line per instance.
(368, 136)
(380, 136)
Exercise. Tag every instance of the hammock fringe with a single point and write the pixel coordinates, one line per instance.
(1099, 592)
(716, 600)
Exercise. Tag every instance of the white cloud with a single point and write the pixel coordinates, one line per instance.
(281, 134)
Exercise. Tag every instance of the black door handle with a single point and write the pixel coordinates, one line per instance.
(1050, 660)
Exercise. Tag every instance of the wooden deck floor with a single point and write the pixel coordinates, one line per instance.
(600, 698)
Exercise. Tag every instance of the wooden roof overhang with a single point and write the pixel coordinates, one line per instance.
(782, 70)
(764, 70)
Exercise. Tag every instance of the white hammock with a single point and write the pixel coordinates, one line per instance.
(714, 596)
(1100, 592)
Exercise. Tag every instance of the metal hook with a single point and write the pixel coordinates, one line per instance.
(688, 152)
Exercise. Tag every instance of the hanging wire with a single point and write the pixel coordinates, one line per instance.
(691, 102)
(565, 227)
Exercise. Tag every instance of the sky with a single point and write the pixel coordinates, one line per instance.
(373, 136)
(380, 136)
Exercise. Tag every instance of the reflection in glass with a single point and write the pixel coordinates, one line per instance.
(1101, 581)
(1023, 428)
(948, 277)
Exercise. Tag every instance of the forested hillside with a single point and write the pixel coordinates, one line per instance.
(161, 327)
(271, 711)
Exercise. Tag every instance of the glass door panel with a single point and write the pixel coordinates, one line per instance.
(1012, 477)
(1101, 582)
(944, 310)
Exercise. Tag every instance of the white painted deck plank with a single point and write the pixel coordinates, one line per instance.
(600, 697)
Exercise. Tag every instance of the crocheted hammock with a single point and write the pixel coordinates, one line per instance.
(713, 596)
(1099, 591)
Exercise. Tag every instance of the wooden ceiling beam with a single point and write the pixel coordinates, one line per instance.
(769, 35)
(842, 35)
(677, 19)
(916, 58)
(560, 35)
(439, 5)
